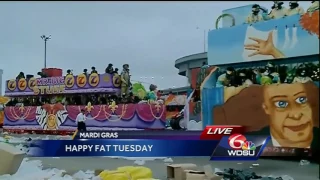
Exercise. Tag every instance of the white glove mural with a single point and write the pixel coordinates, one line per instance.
(260, 45)
(294, 37)
(286, 38)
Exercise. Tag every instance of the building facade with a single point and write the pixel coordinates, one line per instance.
(185, 66)
(187, 63)
(176, 91)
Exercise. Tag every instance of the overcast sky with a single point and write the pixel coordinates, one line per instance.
(149, 36)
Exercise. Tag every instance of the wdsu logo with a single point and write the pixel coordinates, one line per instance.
(240, 146)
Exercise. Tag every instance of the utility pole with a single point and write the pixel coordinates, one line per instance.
(45, 38)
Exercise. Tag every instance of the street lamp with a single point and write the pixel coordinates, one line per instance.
(45, 38)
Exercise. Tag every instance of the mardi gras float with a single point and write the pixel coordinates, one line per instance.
(3, 102)
(265, 74)
(173, 103)
(58, 114)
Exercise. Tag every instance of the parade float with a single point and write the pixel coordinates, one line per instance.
(265, 75)
(174, 104)
(56, 117)
(3, 102)
(198, 75)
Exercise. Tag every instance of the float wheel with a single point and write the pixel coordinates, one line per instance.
(175, 123)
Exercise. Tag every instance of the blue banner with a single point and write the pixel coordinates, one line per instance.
(146, 134)
(228, 148)
(123, 147)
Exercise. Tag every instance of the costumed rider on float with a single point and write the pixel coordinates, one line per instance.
(255, 15)
(314, 7)
(278, 11)
(152, 94)
(302, 75)
(270, 76)
(125, 81)
(243, 79)
(227, 79)
(294, 9)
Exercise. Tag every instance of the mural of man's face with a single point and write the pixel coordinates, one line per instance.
(290, 114)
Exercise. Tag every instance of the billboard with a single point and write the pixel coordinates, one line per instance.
(279, 97)
(291, 36)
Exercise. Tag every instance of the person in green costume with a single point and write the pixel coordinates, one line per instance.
(270, 76)
(152, 94)
(139, 90)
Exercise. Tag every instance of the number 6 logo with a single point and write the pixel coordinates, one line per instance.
(236, 141)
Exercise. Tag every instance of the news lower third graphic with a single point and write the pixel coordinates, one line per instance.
(123, 147)
(240, 147)
(216, 142)
(96, 135)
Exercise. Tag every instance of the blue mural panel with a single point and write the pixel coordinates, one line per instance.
(273, 39)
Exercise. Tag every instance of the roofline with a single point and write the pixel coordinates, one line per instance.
(191, 57)
(177, 89)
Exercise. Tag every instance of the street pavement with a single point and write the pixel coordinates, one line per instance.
(266, 167)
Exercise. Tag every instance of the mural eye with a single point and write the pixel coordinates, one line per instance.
(281, 104)
(301, 100)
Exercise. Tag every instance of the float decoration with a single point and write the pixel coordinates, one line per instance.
(59, 117)
(139, 90)
(69, 84)
(225, 15)
(3, 102)
(291, 45)
(310, 22)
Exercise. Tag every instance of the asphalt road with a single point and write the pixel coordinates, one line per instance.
(266, 167)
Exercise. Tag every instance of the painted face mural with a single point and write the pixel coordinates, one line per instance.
(287, 112)
(290, 114)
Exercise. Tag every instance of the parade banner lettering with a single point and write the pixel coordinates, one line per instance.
(54, 85)
(64, 85)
